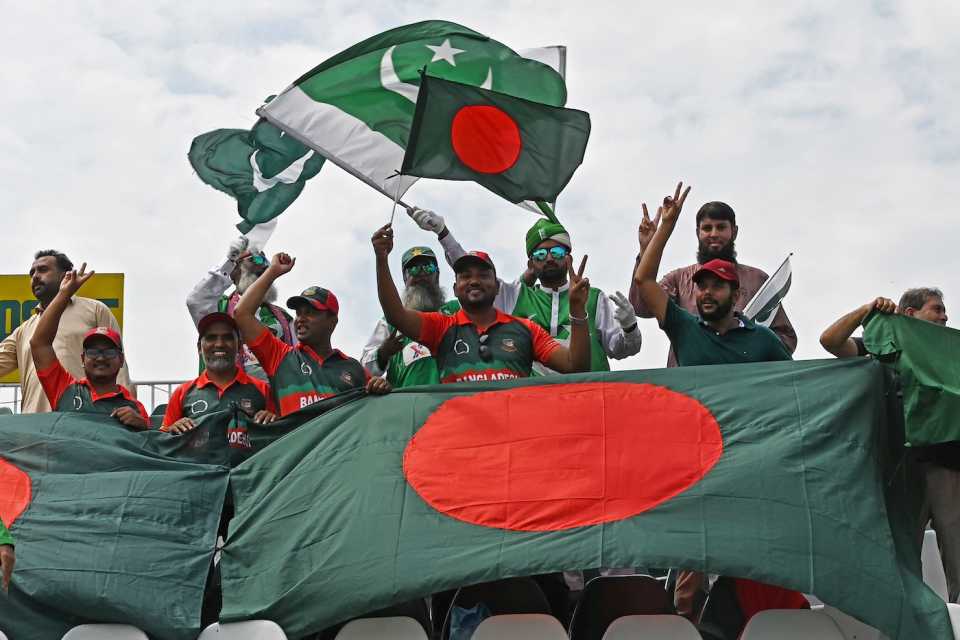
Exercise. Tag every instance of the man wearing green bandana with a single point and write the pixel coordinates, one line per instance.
(402, 361)
(611, 320)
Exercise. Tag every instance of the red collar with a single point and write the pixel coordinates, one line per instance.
(461, 318)
(123, 391)
(313, 354)
(239, 377)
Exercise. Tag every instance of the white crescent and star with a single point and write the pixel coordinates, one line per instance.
(288, 176)
(445, 52)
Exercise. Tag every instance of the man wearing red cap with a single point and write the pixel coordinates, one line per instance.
(223, 385)
(102, 357)
(480, 342)
(312, 370)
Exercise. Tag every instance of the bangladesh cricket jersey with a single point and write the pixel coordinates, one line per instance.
(299, 376)
(244, 395)
(504, 350)
(66, 393)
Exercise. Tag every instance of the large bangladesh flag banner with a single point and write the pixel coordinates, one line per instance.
(110, 525)
(786, 472)
(356, 108)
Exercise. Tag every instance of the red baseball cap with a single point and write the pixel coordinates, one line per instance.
(723, 269)
(103, 332)
(473, 257)
(212, 318)
(318, 298)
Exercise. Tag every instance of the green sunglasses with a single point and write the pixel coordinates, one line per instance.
(558, 253)
(425, 269)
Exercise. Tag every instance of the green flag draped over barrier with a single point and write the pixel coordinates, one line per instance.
(109, 527)
(927, 356)
(780, 472)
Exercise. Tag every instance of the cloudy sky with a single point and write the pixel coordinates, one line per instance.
(831, 128)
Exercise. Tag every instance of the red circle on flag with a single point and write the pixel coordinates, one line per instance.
(485, 138)
(15, 494)
(558, 456)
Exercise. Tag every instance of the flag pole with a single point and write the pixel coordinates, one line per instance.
(396, 197)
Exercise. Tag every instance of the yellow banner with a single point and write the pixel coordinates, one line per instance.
(17, 302)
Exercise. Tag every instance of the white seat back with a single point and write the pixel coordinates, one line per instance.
(397, 628)
(105, 632)
(520, 626)
(246, 630)
(851, 628)
(791, 624)
(933, 573)
(3, 636)
(954, 611)
(661, 627)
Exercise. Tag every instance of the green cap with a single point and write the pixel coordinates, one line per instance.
(547, 230)
(416, 252)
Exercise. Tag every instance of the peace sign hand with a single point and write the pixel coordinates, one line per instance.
(579, 287)
(648, 227)
(73, 280)
(670, 211)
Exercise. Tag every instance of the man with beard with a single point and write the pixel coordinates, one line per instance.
(611, 320)
(480, 342)
(717, 335)
(405, 362)
(102, 357)
(223, 385)
(241, 269)
(80, 315)
(716, 234)
(312, 370)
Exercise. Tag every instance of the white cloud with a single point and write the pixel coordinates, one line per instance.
(830, 128)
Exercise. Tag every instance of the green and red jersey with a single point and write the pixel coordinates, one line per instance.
(66, 393)
(513, 345)
(299, 376)
(203, 396)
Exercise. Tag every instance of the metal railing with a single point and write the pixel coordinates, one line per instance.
(151, 393)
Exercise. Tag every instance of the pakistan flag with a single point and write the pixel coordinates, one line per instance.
(356, 108)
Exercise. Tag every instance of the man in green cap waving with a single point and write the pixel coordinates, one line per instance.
(611, 320)
(402, 361)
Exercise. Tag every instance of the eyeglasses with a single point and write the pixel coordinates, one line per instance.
(486, 354)
(109, 353)
(425, 269)
(558, 253)
(258, 259)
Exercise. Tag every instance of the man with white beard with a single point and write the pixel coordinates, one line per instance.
(402, 361)
(241, 269)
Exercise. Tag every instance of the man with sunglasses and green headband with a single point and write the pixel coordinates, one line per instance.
(611, 320)
(402, 361)
(241, 269)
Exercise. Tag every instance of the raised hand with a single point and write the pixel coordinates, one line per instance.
(883, 305)
(427, 220)
(669, 212)
(281, 264)
(579, 287)
(648, 227)
(383, 241)
(73, 280)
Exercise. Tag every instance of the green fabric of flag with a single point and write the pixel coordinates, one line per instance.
(519, 149)
(5, 537)
(110, 525)
(783, 472)
(263, 169)
(927, 356)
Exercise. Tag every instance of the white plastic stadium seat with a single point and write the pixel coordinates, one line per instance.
(105, 632)
(2, 636)
(954, 611)
(933, 573)
(246, 630)
(661, 627)
(791, 624)
(520, 626)
(850, 627)
(398, 628)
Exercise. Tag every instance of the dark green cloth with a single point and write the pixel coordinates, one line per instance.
(695, 342)
(927, 356)
(5, 537)
(520, 150)
(541, 230)
(804, 494)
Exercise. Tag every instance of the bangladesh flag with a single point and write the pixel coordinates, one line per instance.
(927, 356)
(520, 150)
(782, 472)
(263, 169)
(356, 108)
(111, 525)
